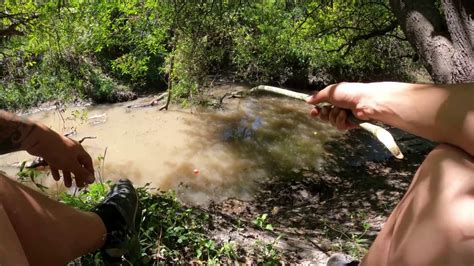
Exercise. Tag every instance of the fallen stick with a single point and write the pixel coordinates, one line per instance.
(378, 132)
(153, 102)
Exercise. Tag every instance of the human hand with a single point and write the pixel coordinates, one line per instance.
(61, 153)
(344, 97)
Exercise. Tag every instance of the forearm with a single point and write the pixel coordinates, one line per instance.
(61, 153)
(14, 132)
(443, 113)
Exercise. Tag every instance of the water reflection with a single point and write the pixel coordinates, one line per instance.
(250, 141)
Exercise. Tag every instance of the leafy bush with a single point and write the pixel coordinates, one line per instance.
(76, 49)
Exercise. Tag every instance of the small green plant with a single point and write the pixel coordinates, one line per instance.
(101, 166)
(267, 253)
(80, 115)
(261, 222)
(228, 250)
(25, 175)
(87, 198)
(356, 243)
(169, 232)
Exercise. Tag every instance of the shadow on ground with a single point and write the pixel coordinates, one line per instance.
(338, 207)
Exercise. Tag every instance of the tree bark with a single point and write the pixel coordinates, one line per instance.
(443, 39)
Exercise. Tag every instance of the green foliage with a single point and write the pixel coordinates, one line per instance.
(86, 199)
(169, 232)
(75, 49)
(261, 222)
(356, 243)
(267, 253)
(25, 175)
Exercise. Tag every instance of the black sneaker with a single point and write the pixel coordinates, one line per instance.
(118, 212)
(339, 259)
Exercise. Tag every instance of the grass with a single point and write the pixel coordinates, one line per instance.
(169, 232)
(267, 253)
(355, 244)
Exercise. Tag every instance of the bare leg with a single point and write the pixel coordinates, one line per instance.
(11, 251)
(434, 222)
(49, 232)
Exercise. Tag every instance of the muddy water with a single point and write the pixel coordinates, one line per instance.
(203, 154)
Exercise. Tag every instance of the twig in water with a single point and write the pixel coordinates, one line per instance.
(84, 138)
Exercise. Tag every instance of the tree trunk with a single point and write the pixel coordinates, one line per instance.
(445, 40)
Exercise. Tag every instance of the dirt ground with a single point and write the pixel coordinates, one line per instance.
(339, 207)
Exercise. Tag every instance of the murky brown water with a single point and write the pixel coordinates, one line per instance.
(249, 141)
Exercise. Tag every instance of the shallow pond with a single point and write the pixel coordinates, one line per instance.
(204, 154)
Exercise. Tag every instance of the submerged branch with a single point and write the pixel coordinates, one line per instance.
(378, 132)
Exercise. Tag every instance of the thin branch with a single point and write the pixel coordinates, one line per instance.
(16, 20)
(335, 29)
(10, 31)
(84, 138)
(308, 15)
(378, 3)
(378, 132)
(375, 33)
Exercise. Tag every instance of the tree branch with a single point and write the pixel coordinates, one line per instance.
(10, 31)
(453, 14)
(378, 132)
(16, 20)
(308, 15)
(466, 13)
(461, 37)
(375, 33)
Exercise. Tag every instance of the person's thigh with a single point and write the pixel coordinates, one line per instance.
(434, 223)
(51, 233)
(11, 251)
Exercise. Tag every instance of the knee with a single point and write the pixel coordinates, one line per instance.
(446, 160)
(446, 151)
(447, 170)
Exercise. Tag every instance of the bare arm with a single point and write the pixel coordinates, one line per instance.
(13, 132)
(60, 152)
(443, 113)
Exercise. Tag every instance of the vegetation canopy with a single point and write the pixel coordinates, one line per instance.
(103, 51)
